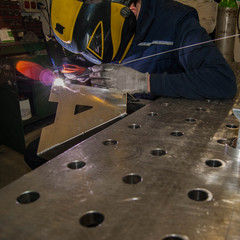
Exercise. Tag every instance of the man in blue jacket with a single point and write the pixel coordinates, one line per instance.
(161, 60)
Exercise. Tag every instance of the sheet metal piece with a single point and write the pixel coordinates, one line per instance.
(80, 109)
(160, 173)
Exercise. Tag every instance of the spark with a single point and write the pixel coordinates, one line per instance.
(59, 82)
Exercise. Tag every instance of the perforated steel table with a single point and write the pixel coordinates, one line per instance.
(160, 173)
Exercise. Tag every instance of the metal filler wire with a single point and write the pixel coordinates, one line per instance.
(180, 48)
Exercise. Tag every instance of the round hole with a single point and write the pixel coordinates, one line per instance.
(110, 142)
(201, 109)
(177, 134)
(132, 179)
(232, 142)
(158, 152)
(134, 126)
(214, 163)
(76, 165)
(222, 141)
(190, 120)
(91, 219)
(28, 197)
(199, 195)
(231, 126)
(174, 237)
(153, 114)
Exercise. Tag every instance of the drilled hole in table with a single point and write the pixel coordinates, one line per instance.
(190, 120)
(134, 126)
(91, 219)
(28, 197)
(222, 141)
(158, 152)
(201, 109)
(229, 141)
(177, 134)
(76, 165)
(231, 126)
(153, 114)
(214, 163)
(198, 195)
(174, 237)
(132, 179)
(110, 142)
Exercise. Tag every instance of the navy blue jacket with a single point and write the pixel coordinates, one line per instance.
(193, 72)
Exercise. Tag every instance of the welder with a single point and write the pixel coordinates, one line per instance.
(149, 48)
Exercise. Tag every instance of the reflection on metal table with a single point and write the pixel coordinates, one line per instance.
(160, 173)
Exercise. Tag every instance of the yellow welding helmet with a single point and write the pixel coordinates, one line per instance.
(101, 30)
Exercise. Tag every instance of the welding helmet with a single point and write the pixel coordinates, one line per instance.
(101, 30)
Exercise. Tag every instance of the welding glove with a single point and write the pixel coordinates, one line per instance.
(78, 78)
(119, 77)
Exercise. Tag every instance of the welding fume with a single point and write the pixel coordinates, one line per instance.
(147, 48)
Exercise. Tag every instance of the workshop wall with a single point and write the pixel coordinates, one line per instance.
(45, 18)
(207, 10)
(41, 13)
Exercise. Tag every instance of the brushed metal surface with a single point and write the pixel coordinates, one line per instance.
(161, 173)
(97, 106)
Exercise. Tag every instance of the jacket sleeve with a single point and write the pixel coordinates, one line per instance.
(205, 73)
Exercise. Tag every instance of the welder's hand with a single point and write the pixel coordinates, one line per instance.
(119, 77)
(75, 74)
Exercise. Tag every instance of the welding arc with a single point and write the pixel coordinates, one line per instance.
(180, 48)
